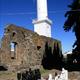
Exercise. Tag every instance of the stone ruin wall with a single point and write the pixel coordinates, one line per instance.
(29, 48)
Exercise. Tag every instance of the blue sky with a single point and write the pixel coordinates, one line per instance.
(22, 12)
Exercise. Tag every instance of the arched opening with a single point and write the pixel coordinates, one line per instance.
(13, 50)
(38, 47)
(14, 33)
(2, 68)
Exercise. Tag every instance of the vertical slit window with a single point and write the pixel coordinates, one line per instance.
(13, 50)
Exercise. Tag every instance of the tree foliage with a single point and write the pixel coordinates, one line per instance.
(73, 21)
(73, 16)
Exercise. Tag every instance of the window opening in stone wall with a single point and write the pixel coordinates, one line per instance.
(0, 43)
(14, 33)
(13, 50)
(38, 47)
(6, 30)
(2, 68)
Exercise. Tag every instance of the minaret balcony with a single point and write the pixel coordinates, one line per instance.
(35, 21)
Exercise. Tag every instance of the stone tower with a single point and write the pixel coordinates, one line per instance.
(42, 25)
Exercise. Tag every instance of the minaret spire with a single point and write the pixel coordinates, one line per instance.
(42, 25)
(42, 9)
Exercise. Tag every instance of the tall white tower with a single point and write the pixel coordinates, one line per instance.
(42, 25)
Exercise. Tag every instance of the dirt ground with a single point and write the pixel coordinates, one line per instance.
(6, 75)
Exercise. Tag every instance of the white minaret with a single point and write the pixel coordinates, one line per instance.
(42, 25)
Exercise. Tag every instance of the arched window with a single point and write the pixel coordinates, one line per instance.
(14, 33)
(13, 49)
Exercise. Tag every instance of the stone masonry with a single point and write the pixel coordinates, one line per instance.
(28, 49)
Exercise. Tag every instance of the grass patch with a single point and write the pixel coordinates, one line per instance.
(5, 74)
(42, 70)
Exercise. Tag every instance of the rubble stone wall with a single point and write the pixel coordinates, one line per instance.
(29, 48)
